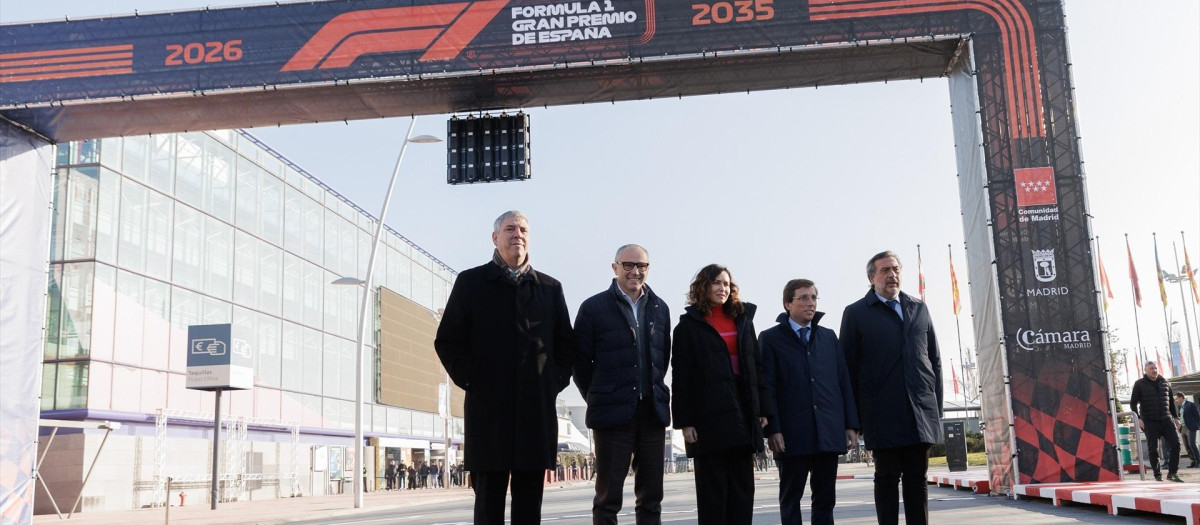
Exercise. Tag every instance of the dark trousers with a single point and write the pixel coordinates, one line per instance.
(725, 488)
(1167, 431)
(641, 439)
(490, 488)
(793, 473)
(905, 466)
(1189, 441)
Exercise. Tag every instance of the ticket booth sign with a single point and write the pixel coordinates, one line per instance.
(219, 358)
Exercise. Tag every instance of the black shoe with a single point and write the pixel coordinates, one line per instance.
(1175, 478)
(1158, 477)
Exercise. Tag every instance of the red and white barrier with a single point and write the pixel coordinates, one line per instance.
(1174, 499)
(976, 481)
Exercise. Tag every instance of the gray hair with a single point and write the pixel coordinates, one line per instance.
(1148, 363)
(505, 216)
(617, 256)
(878, 256)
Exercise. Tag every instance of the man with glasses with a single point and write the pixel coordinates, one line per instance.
(815, 421)
(896, 371)
(623, 341)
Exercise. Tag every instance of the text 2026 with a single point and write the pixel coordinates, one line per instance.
(203, 52)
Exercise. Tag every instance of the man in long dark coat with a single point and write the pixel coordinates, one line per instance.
(506, 339)
(892, 354)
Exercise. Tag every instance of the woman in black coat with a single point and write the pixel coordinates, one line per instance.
(717, 394)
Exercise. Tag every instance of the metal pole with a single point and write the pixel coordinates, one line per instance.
(962, 373)
(1137, 327)
(1162, 296)
(1195, 318)
(216, 466)
(1137, 441)
(362, 325)
(167, 501)
(1108, 358)
(89, 473)
(1187, 324)
(446, 420)
(37, 472)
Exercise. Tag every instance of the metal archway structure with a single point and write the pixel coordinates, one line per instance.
(1037, 321)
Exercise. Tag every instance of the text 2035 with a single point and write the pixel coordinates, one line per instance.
(203, 52)
(732, 12)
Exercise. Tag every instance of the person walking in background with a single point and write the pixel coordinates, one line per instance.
(623, 349)
(717, 399)
(808, 388)
(506, 339)
(389, 475)
(1151, 399)
(896, 373)
(1190, 416)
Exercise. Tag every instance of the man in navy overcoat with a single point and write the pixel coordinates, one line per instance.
(816, 420)
(892, 353)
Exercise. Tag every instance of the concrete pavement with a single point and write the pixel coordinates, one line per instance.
(339, 507)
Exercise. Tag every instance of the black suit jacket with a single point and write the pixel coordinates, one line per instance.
(896, 371)
(510, 346)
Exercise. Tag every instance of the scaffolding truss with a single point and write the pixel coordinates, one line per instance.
(233, 475)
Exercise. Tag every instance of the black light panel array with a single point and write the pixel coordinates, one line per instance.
(487, 149)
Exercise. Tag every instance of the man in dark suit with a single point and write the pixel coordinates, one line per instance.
(505, 338)
(808, 385)
(1189, 416)
(896, 371)
(624, 344)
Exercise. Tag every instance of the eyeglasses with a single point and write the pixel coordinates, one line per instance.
(629, 266)
(805, 298)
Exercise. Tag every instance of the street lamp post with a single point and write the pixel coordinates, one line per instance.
(444, 408)
(362, 312)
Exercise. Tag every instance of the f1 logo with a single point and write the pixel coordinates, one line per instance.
(441, 30)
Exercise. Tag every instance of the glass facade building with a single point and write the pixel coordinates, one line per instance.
(153, 234)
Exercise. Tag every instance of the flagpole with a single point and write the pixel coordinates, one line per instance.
(1163, 297)
(1136, 326)
(1108, 357)
(958, 332)
(1189, 272)
(1187, 323)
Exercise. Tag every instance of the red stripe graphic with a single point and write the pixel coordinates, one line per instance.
(60, 60)
(70, 74)
(63, 52)
(66, 63)
(349, 36)
(1022, 82)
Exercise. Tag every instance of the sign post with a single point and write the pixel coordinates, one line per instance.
(219, 358)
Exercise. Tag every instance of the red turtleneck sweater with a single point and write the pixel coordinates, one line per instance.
(728, 330)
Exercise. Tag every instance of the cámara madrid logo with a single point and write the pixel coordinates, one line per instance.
(1068, 339)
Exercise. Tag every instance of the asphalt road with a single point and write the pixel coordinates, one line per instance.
(570, 505)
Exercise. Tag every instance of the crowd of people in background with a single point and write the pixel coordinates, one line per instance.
(420, 475)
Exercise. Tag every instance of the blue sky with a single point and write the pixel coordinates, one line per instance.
(793, 183)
